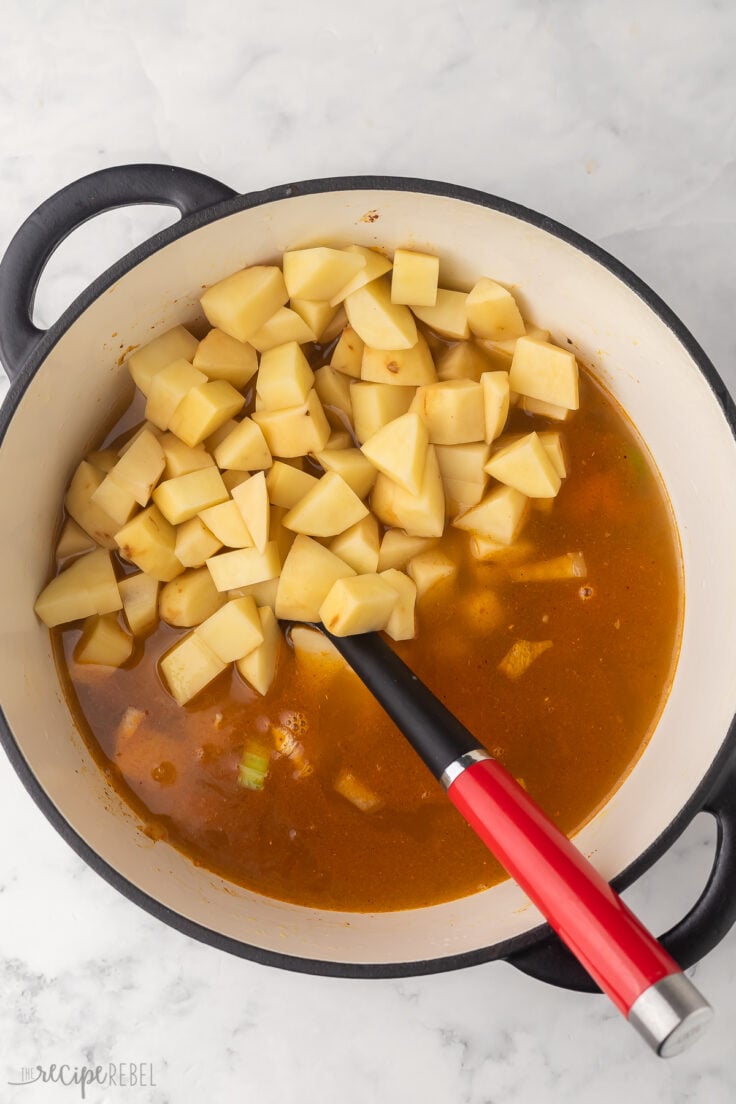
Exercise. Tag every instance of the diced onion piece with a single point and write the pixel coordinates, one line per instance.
(520, 657)
(356, 792)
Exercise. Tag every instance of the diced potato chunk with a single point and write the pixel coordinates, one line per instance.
(362, 603)
(348, 353)
(543, 371)
(316, 313)
(307, 576)
(244, 448)
(144, 427)
(452, 411)
(327, 509)
(375, 265)
(492, 311)
(358, 545)
(496, 395)
(319, 273)
(421, 515)
(401, 624)
(414, 278)
(463, 361)
(144, 363)
(544, 409)
(73, 540)
(297, 430)
(500, 515)
(356, 792)
(184, 496)
(148, 541)
(533, 333)
(429, 568)
(189, 599)
(448, 316)
(488, 550)
(399, 367)
(244, 567)
(284, 378)
(180, 459)
(226, 522)
(140, 466)
(87, 514)
(203, 409)
(554, 448)
(195, 543)
(375, 404)
(461, 495)
(397, 548)
(188, 667)
(222, 357)
(283, 327)
(86, 587)
(339, 439)
(399, 451)
(104, 641)
(116, 500)
(520, 657)
(463, 462)
(104, 459)
(259, 667)
(315, 653)
(352, 465)
(139, 594)
(380, 323)
(251, 499)
(525, 465)
(335, 327)
(571, 565)
(233, 631)
(168, 388)
(241, 303)
(333, 389)
(263, 594)
(286, 485)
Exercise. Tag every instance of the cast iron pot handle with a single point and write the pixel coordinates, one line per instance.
(693, 937)
(45, 229)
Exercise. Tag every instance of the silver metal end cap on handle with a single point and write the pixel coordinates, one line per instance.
(454, 769)
(671, 1015)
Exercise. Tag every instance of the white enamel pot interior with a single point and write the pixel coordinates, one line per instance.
(73, 383)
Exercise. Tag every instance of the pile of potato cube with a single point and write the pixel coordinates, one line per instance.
(215, 508)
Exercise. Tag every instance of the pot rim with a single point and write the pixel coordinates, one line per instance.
(213, 213)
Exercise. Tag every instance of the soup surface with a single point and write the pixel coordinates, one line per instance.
(569, 727)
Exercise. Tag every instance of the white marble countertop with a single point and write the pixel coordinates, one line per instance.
(616, 119)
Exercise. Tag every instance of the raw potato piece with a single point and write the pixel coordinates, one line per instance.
(500, 515)
(569, 566)
(463, 361)
(104, 459)
(241, 303)
(315, 653)
(104, 641)
(399, 451)
(307, 576)
(204, 409)
(429, 568)
(87, 514)
(421, 515)
(284, 377)
(180, 458)
(222, 357)
(339, 439)
(251, 499)
(525, 466)
(358, 545)
(319, 273)
(348, 354)
(181, 498)
(286, 485)
(189, 599)
(283, 327)
(263, 594)
(144, 363)
(139, 468)
(233, 631)
(520, 657)
(464, 462)
(189, 667)
(397, 548)
(148, 541)
(493, 313)
(244, 566)
(496, 398)
(195, 543)
(259, 667)
(545, 409)
(401, 624)
(144, 427)
(359, 604)
(73, 540)
(414, 278)
(378, 322)
(86, 587)
(315, 313)
(375, 265)
(452, 411)
(399, 367)
(333, 389)
(356, 792)
(225, 522)
(244, 448)
(448, 316)
(327, 509)
(139, 594)
(543, 371)
(168, 388)
(375, 404)
(352, 465)
(116, 500)
(554, 448)
(296, 431)
(460, 495)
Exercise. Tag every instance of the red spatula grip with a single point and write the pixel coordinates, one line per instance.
(616, 949)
